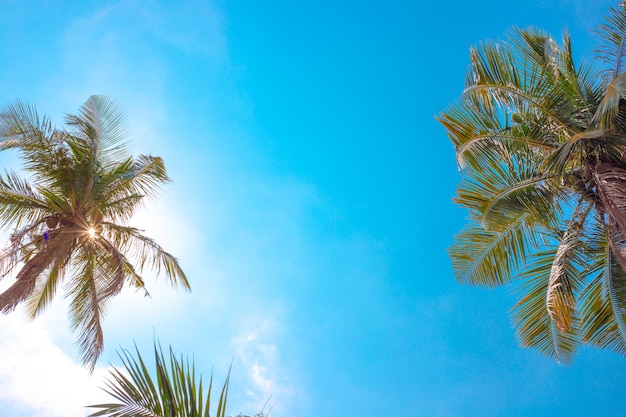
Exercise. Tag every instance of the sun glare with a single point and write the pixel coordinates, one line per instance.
(92, 232)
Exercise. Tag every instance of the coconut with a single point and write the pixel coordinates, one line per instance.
(52, 222)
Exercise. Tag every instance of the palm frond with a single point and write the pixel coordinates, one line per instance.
(26, 278)
(48, 283)
(583, 84)
(497, 75)
(490, 258)
(87, 304)
(21, 127)
(608, 109)
(530, 315)
(612, 50)
(603, 313)
(44, 291)
(538, 50)
(584, 150)
(532, 195)
(479, 132)
(19, 203)
(101, 123)
(42, 148)
(147, 252)
(507, 187)
(565, 271)
(121, 190)
(174, 391)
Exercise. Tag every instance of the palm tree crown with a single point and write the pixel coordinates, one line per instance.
(69, 217)
(541, 147)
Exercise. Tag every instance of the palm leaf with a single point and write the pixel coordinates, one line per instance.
(47, 284)
(478, 132)
(497, 76)
(102, 123)
(612, 50)
(26, 278)
(19, 203)
(609, 106)
(489, 258)
(530, 315)
(174, 392)
(146, 251)
(603, 309)
(565, 271)
(86, 308)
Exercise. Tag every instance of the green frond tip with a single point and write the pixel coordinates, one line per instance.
(170, 389)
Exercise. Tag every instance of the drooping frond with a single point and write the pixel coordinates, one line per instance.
(47, 283)
(26, 278)
(86, 308)
(603, 307)
(479, 132)
(44, 291)
(574, 153)
(565, 272)
(609, 107)
(104, 269)
(530, 315)
(146, 252)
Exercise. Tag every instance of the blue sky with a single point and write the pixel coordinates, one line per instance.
(311, 205)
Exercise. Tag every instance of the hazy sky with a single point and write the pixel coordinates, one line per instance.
(311, 205)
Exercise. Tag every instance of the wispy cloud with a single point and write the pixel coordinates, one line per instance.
(257, 350)
(202, 34)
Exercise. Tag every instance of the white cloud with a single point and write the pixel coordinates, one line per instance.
(37, 378)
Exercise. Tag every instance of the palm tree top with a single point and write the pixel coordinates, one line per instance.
(541, 147)
(70, 215)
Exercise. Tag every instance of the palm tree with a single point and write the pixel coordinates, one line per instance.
(176, 393)
(69, 216)
(541, 147)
